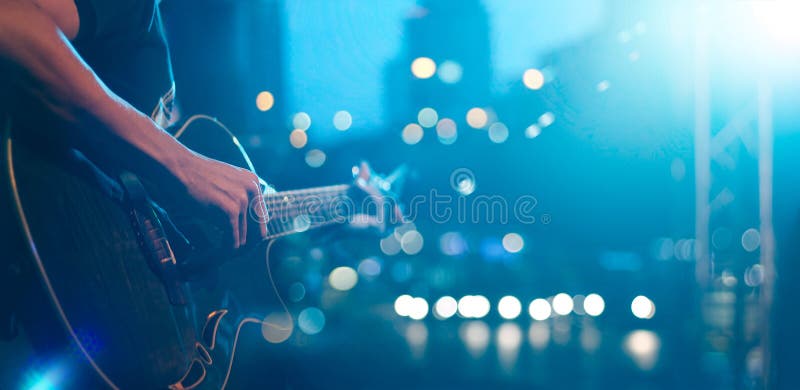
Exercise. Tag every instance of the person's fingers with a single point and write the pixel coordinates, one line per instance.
(261, 211)
(233, 221)
(243, 216)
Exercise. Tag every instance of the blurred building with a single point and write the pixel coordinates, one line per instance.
(455, 36)
(224, 53)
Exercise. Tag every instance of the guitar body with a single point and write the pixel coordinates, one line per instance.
(83, 288)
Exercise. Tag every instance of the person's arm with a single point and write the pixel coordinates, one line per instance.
(31, 38)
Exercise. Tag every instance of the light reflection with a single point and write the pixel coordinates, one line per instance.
(539, 335)
(643, 346)
(509, 339)
(475, 335)
(416, 336)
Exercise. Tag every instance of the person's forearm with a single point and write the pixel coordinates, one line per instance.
(62, 81)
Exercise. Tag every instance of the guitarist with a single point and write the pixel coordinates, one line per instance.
(102, 67)
(95, 75)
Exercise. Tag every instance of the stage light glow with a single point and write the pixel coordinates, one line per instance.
(643, 347)
(315, 158)
(509, 307)
(498, 132)
(642, 307)
(311, 320)
(562, 304)
(298, 138)
(594, 305)
(533, 79)
(751, 240)
(423, 68)
(447, 131)
(427, 117)
(402, 305)
(603, 86)
(513, 242)
(342, 120)
(412, 134)
(418, 309)
(301, 121)
(445, 307)
(477, 118)
(539, 309)
(450, 72)
(411, 242)
(533, 131)
(343, 278)
(277, 327)
(475, 335)
(265, 101)
(779, 19)
(546, 119)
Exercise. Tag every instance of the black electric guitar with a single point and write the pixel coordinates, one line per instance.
(106, 276)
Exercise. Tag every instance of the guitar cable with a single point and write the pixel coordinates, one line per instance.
(257, 320)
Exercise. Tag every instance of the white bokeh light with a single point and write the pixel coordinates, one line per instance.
(509, 307)
(594, 305)
(562, 304)
(642, 307)
(539, 309)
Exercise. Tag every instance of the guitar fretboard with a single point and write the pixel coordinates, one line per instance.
(301, 210)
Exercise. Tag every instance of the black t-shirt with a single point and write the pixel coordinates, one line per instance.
(123, 41)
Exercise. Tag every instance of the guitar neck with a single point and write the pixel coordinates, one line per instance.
(297, 211)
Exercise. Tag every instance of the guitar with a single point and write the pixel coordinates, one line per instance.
(108, 279)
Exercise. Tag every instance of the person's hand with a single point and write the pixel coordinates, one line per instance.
(226, 193)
